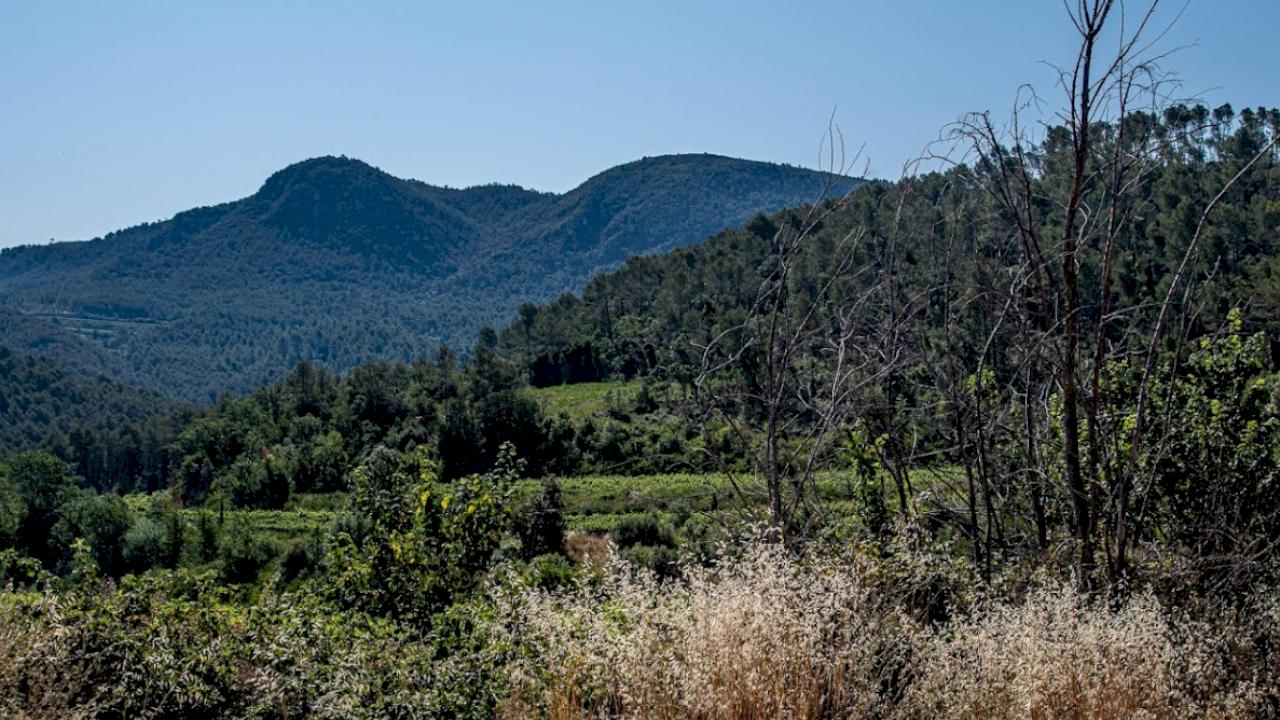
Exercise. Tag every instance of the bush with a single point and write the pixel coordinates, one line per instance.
(301, 558)
(171, 644)
(241, 556)
(642, 530)
(550, 572)
(151, 542)
(539, 523)
(662, 561)
(19, 571)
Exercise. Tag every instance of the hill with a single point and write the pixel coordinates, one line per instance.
(336, 262)
(40, 402)
(652, 316)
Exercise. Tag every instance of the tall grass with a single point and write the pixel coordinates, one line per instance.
(767, 635)
(746, 638)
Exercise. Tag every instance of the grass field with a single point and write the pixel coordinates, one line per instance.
(584, 399)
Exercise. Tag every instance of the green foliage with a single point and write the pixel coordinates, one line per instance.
(18, 571)
(1218, 475)
(539, 522)
(422, 541)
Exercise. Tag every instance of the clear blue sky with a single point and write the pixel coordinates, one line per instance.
(115, 113)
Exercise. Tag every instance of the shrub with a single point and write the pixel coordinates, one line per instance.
(173, 645)
(241, 556)
(642, 530)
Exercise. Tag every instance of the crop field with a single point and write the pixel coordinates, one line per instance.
(597, 503)
(592, 503)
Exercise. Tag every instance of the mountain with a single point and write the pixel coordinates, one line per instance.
(336, 262)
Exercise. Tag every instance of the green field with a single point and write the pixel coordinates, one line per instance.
(584, 399)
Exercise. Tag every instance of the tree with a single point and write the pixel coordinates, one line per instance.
(783, 378)
(420, 542)
(1077, 208)
(539, 524)
(42, 485)
(99, 521)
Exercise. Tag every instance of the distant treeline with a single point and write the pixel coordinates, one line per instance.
(306, 433)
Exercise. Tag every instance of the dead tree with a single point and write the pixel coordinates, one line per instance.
(1114, 64)
(784, 380)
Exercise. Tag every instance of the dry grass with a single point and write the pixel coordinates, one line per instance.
(1051, 657)
(768, 636)
(588, 549)
(758, 637)
(761, 635)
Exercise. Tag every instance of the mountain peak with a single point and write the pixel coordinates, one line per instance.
(323, 171)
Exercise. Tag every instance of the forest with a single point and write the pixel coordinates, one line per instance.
(998, 439)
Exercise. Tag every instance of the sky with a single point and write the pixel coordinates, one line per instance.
(117, 113)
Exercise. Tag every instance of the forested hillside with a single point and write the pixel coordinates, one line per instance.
(337, 263)
(29, 335)
(935, 319)
(656, 313)
(41, 404)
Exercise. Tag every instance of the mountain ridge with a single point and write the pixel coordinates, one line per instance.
(334, 261)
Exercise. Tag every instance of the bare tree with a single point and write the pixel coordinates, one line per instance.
(1073, 208)
(1047, 288)
(783, 380)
